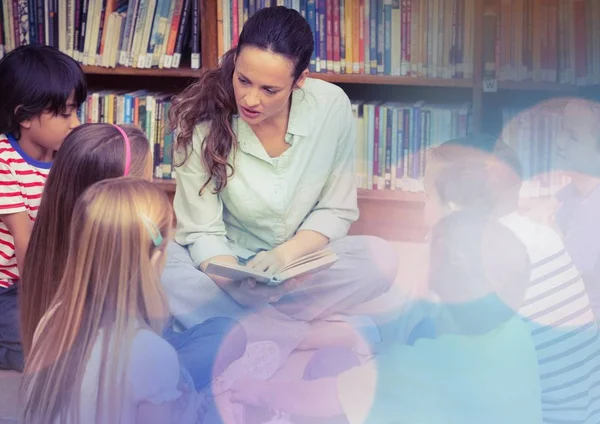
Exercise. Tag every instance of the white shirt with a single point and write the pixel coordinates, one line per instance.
(311, 186)
(562, 325)
(152, 375)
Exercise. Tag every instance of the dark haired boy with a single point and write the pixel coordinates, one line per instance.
(42, 90)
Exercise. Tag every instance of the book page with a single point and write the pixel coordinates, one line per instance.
(309, 267)
(307, 258)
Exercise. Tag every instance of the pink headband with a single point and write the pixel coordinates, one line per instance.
(127, 150)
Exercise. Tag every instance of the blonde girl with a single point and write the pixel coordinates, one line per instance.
(97, 355)
(92, 153)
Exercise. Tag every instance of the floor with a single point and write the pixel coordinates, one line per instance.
(408, 285)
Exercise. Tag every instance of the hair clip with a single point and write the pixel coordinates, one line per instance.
(153, 230)
(127, 149)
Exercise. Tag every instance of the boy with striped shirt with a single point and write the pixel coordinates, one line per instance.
(42, 89)
(556, 305)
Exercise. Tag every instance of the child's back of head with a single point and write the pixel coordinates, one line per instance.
(111, 282)
(477, 171)
(479, 267)
(91, 153)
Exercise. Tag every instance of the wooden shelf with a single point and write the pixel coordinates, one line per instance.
(124, 71)
(377, 195)
(537, 86)
(167, 185)
(392, 80)
(390, 196)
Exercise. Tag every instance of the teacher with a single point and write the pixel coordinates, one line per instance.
(264, 161)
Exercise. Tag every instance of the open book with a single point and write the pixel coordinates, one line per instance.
(308, 264)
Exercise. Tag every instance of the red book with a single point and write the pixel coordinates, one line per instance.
(329, 36)
(235, 23)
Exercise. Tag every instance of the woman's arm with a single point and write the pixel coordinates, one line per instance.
(303, 243)
(200, 223)
(337, 207)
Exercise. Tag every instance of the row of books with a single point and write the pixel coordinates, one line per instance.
(391, 137)
(135, 33)
(391, 142)
(421, 38)
(554, 41)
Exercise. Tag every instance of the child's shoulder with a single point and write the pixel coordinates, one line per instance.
(6, 147)
(540, 240)
(147, 341)
(9, 155)
(149, 351)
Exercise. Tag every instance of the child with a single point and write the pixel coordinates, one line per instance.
(556, 305)
(577, 217)
(476, 366)
(92, 153)
(42, 89)
(97, 356)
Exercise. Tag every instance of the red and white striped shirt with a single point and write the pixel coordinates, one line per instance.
(22, 180)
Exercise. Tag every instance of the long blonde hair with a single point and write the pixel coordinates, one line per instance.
(109, 284)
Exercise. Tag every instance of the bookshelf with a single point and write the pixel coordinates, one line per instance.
(397, 214)
(134, 72)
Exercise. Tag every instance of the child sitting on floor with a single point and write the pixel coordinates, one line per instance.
(41, 90)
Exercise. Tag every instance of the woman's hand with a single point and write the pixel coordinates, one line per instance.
(270, 261)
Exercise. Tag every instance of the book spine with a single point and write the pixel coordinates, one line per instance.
(342, 24)
(311, 18)
(336, 37)
(373, 34)
(322, 8)
(195, 57)
(329, 36)
(365, 28)
(388, 148)
(183, 26)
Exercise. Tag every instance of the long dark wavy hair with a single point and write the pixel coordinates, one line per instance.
(211, 98)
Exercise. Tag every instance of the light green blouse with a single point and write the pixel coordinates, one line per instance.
(311, 186)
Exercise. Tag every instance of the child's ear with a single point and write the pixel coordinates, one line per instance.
(25, 123)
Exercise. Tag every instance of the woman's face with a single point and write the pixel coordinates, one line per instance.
(262, 83)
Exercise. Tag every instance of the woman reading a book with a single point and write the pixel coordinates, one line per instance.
(265, 175)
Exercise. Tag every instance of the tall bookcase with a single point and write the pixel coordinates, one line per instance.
(394, 215)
